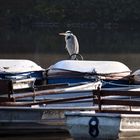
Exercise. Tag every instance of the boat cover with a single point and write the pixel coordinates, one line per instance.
(18, 66)
(98, 67)
(23, 73)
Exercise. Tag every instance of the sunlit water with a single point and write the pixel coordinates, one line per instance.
(45, 47)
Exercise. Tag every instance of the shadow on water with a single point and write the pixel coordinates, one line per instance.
(48, 136)
(27, 134)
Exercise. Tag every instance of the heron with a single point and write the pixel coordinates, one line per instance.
(72, 45)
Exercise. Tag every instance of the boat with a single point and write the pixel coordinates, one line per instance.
(94, 97)
(111, 73)
(75, 71)
(28, 116)
(103, 126)
(113, 117)
(66, 79)
(49, 95)
(68, 86)
(42, 109)
(23, 73)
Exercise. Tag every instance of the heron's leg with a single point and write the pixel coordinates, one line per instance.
(76, 56)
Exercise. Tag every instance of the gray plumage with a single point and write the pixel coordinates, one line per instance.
(72, 44)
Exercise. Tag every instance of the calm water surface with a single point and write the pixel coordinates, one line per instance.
(45, 47)
(51, 136)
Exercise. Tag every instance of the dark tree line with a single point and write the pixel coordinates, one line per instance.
(97, 12)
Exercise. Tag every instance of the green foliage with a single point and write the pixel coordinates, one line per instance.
(69, 11)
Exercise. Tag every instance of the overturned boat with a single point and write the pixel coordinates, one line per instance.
(112, 74)
(22, 73)
(71, 71)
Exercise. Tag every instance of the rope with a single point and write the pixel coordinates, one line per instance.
(76, 55)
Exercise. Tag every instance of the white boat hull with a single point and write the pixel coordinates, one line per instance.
(91, 125)
(23, 73)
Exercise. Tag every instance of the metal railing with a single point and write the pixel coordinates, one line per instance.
(117, 101)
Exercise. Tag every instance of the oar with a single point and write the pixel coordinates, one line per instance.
(44, 101)
(79, 88)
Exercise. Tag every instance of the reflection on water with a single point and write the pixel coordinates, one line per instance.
(51, 136)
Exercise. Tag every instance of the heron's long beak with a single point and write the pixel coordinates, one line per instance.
(62, 33)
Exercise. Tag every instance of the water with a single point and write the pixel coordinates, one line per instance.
(45, 47)
(48, 136)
